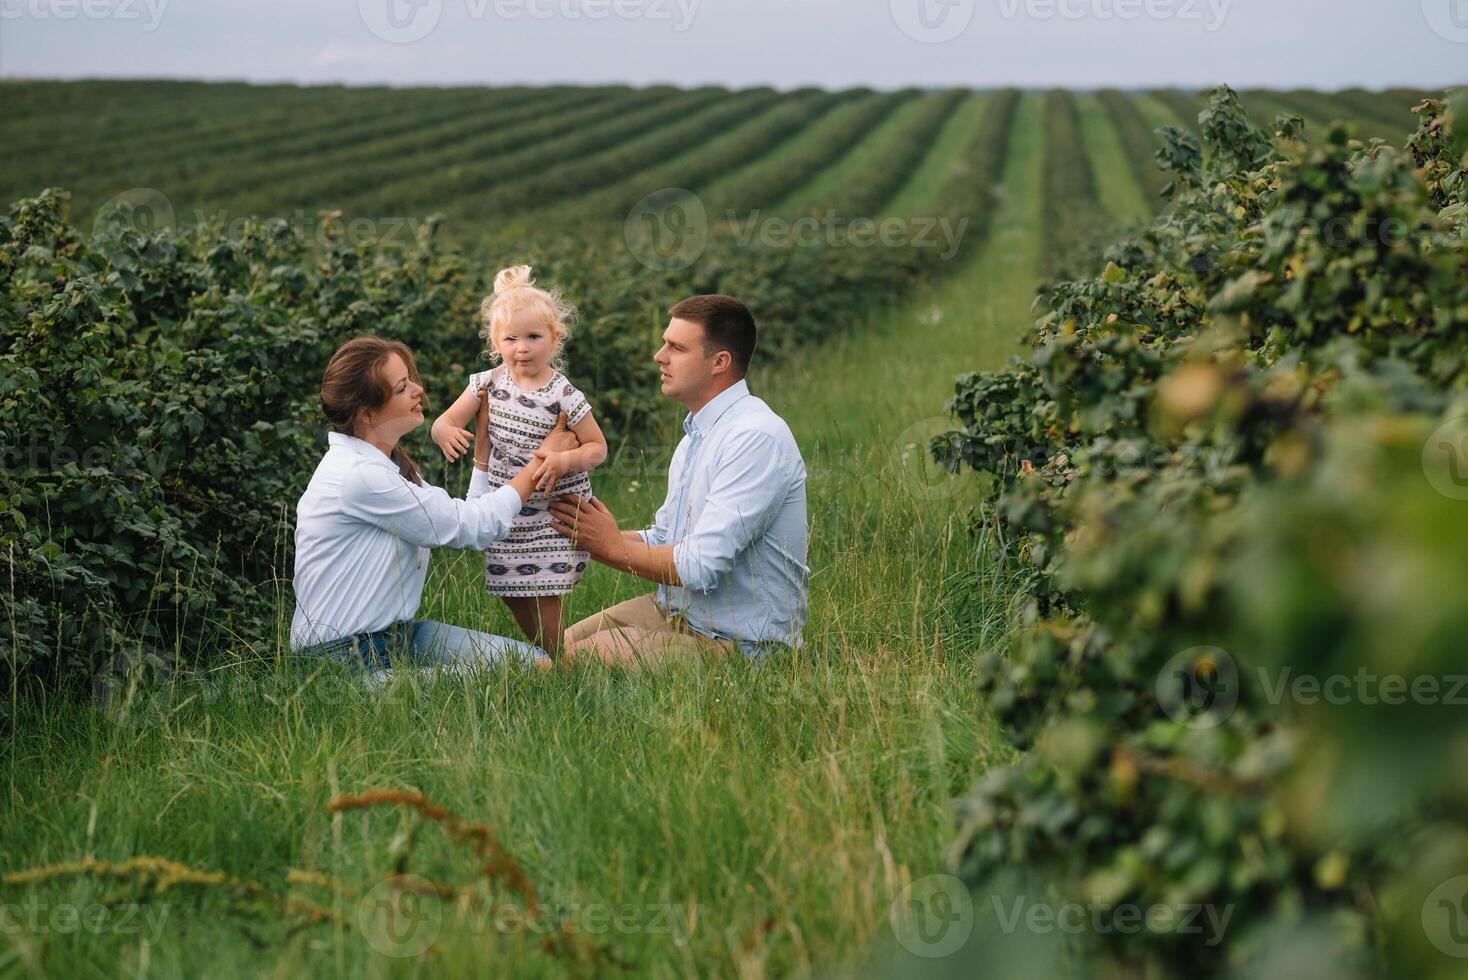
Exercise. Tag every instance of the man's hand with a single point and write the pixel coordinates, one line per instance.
(590, 526)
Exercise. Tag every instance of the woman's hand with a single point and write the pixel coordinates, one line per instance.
(481, 430)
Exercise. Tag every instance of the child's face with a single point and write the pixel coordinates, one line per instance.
(527, 342)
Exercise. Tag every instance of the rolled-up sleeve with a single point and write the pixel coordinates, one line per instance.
(427, 516)
(658, 533)
(745, 491)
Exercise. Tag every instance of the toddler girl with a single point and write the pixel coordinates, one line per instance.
(526, 328)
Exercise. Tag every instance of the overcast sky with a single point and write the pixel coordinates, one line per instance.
(832, 43)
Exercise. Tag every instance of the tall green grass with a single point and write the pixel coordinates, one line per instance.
(741, 819)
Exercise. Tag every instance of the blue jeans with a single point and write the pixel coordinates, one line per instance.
(424, 643)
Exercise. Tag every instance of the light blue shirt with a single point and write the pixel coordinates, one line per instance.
(735, 515)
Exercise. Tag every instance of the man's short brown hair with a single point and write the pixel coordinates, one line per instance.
(727, 325)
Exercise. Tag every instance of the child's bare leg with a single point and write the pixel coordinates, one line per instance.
(539, 618)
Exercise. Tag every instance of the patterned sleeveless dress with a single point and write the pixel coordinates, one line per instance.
(533, 560)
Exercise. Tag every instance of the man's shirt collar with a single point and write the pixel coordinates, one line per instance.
(698, 424)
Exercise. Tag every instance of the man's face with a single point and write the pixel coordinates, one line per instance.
(686, 371)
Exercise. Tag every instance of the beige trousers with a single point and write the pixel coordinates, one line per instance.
(636, 633)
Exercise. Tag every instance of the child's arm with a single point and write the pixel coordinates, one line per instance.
(448, 428)
(588, 456)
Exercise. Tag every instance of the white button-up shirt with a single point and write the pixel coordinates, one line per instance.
(735, 515)
(362, 540)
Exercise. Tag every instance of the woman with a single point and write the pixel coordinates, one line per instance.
(367, 520)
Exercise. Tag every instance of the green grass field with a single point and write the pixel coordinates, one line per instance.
(741, 820)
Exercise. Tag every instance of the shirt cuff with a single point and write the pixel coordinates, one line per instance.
(690, 572)
(503, 505)
(478, 484)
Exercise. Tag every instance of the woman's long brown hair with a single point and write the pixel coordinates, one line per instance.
(354, 380)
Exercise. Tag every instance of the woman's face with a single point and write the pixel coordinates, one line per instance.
(527, 343)
(404, 409)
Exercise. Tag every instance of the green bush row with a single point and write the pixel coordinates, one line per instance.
(764, 183)
(1232, 472)
(1139, 141)
(1073, 215)
(158, 395)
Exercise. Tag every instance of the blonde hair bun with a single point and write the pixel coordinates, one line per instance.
(513, 277)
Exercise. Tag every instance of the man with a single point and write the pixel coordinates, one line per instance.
(728, 546)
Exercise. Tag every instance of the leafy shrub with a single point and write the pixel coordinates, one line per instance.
(1210, 466)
